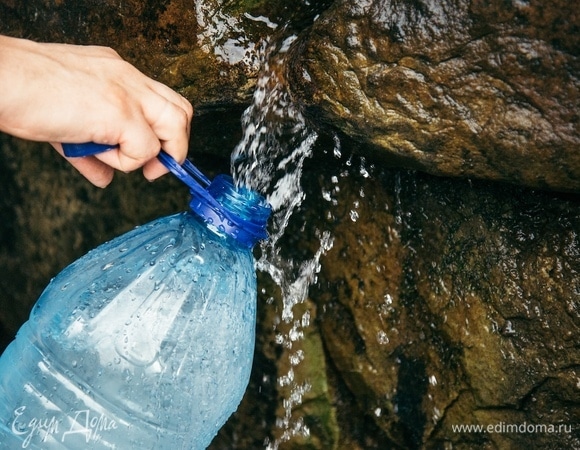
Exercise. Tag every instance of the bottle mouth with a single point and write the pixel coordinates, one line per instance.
(236, 211)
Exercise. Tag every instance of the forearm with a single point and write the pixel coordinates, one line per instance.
(15, 69)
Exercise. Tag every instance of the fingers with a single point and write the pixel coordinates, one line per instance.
(137, 144)
(172, 121)
(171, 124)
(158, 123)
(173, 97)
(162, 121)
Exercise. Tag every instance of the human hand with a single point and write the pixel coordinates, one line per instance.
(66, 93)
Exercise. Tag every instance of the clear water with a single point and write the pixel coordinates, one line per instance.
(270, 158)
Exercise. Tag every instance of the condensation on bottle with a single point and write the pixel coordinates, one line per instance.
(147, 341)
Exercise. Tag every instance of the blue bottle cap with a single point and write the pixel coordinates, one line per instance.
(237, 211)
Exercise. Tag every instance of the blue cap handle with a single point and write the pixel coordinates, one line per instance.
(187, 173)
(85, 149)
(184, 173)
(246, 229)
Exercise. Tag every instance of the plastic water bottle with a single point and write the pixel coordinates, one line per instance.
(147, 341)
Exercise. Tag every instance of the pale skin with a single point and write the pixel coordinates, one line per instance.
(67, 93)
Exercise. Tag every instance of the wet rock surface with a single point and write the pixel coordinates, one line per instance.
(482, 89)
(477, 89)
(444, 303)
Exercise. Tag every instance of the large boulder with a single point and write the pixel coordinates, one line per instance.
(446, 303)
(475, 89)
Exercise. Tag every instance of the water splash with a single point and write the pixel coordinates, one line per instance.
(224, 35)
(270, 158)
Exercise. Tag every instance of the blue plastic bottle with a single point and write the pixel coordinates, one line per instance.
(147, 341)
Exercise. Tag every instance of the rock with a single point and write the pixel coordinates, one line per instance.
(472, 89)
(445, 303)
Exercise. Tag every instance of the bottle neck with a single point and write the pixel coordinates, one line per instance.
(236, 211)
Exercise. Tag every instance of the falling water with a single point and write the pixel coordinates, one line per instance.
(270, 158)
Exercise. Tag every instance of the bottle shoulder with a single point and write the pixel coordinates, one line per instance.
(173, 249)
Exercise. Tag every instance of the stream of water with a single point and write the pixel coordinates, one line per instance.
(270, 158)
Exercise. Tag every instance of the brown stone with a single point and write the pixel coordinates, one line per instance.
(446, 302)
(482, 89)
